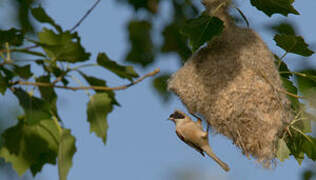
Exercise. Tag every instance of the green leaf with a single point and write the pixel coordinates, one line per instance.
(283, 151)
(295, 144)
(13, 36)
(150, 5)
(66, 151)
(283, 69)
(35, 109)
(293, 44)
(40, 15)
(202, 29)
(309, 147)
(93, 81)
(48, 94)
(126, 72)
(306, 81)
(284, 28)
(3, 84)
(142, 47)
(30, 146)
(270, 7)
(305, 125)
(99, 107)
(64, 46)
(160, 85)
(289, 87)
(175, 42)
(23, 71)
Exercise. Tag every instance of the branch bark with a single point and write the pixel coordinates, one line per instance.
(102, 88)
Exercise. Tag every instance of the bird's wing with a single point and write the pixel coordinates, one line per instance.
(196, 147)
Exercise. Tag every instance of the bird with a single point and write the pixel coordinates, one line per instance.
(192, 133)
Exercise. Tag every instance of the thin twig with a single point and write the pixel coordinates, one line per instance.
(102, 88)
(85, 16)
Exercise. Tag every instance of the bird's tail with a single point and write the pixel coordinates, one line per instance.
(210, 153)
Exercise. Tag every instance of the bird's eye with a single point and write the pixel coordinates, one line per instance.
(176, 115)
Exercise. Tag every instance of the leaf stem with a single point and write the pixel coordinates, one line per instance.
(102, 88)
(299, 131)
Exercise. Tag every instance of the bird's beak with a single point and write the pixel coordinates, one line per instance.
(171, 119)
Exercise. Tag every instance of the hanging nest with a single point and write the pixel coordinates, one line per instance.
(234, 84)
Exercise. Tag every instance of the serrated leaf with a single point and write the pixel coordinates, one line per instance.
(160, 85)
(289, 87)
(202, 29)
(23, 71)
(270, 7)
(40, 15)
(175, 42)
(12, 36)
(93, 81)
(99, 106)
(35, 109)
(66, 151)
(293, 44)
(142, 47)
(64, 46)
(126, 72)
(3, 84)
(30, 146)
(283, 151)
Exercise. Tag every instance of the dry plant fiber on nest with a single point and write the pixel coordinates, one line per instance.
(234, 84)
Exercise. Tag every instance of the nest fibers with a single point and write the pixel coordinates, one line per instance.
(234, 84)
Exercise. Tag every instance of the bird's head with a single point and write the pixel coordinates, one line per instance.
(177, 116)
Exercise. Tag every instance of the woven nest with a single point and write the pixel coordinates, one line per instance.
(234, 84)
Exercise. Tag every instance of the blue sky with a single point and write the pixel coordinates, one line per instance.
(141, 144)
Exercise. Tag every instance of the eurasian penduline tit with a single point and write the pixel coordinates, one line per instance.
(192, 133)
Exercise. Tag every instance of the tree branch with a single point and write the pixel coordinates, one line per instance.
(102, 88)
(84, 16)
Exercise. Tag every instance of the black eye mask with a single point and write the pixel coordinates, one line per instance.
(176, 115)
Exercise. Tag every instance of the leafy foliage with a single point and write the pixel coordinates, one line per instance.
(202, 29)
(35, 109)
(293, 44)
(66, 150)
(99, 106)
(40, 15)
(127, 72)
(30, 146)
(64, 46)
(23, 71)
(12, 36)
(175, 42)
(270, 7)
(141, 51)
(150, 5)
(160, 85)
(284, 28)
(283, 151)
